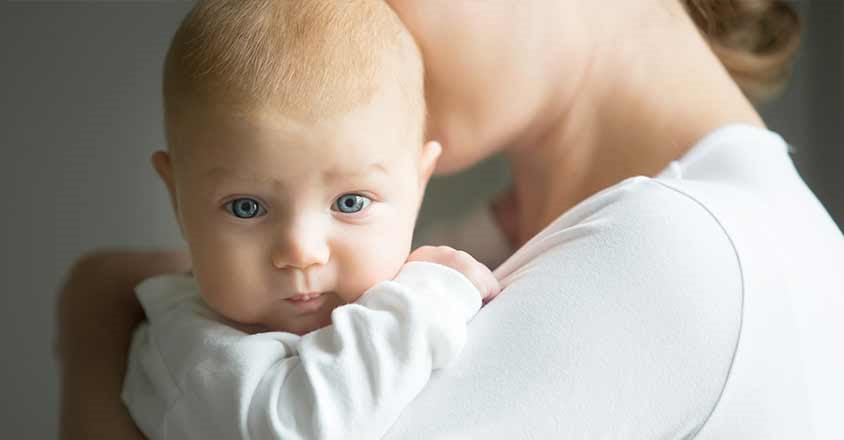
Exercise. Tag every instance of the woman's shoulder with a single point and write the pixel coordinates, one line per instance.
(640, 239)
(638, 292)
(640, 222)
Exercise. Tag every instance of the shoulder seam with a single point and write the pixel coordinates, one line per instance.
(706, 419)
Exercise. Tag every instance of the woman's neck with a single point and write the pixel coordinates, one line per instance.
(645, 100)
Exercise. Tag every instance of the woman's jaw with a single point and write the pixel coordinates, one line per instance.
(574, 108)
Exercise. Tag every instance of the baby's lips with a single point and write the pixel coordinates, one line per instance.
(304, 296)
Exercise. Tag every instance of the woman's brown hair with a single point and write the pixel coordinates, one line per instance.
(755, 39)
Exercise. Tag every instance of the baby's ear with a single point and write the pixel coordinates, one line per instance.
(164, 167)
(428, 161)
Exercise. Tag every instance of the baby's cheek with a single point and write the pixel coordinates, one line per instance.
(375, 253)
(392, 257)
(363, 269)
(229, 287)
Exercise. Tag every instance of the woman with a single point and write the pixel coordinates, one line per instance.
(696, 300)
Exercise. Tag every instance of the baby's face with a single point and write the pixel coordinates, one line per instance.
(286, 221)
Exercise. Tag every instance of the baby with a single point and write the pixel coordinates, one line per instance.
(296, 166)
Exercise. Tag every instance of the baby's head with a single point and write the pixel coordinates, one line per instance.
(296, 161)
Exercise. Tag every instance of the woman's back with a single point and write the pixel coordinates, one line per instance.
(698, 303)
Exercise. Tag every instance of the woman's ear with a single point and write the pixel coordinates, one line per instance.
(164, 167)
(428, 162)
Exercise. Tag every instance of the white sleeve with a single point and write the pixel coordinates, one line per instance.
(476, 232)
(348, 380)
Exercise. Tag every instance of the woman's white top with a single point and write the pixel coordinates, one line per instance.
(706, 302)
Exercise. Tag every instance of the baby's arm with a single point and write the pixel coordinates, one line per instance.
(348, 380)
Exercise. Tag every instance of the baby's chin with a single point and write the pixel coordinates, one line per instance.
(299, 325)
(305, 328)
(280, 318)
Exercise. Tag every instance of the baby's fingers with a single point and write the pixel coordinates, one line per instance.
(491, 285)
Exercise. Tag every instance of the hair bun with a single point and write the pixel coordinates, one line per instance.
(755, 39)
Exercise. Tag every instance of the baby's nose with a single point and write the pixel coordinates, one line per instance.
(304, 246)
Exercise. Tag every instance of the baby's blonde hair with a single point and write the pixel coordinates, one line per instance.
(306, 59)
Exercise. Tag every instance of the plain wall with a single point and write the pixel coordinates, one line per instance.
(81, 113)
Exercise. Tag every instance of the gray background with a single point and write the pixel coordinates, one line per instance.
(80, 112)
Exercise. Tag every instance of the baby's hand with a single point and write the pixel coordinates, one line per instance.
(476, 272)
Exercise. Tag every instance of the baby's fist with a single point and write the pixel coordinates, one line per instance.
(476, 272)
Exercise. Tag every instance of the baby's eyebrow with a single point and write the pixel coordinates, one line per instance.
(221, 172)
(228, 173)
(364, 171)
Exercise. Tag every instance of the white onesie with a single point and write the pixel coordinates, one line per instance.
(192, 377)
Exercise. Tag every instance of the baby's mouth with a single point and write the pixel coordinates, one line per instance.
(302, 297)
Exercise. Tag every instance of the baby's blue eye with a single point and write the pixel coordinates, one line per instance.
(351, 203)
(245, 208)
